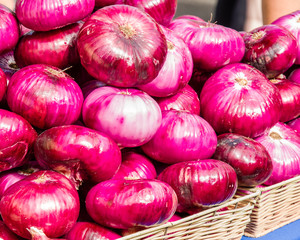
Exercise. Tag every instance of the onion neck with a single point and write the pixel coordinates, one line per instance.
(127, 30)
(275, 136)
(241, 81)
(170, 45)
(258, 35)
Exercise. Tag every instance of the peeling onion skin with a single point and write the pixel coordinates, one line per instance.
(45, 15)
(200, 183)
(249, 158)
(39, 200)
(182, 136)
(56, 48)
(45, 96)
(78, 152)
(17, 137)
(90, 230)
(240, 99)
(127, 203)
(283, 145)
(9, 29)
(122, 46)
(271, 49)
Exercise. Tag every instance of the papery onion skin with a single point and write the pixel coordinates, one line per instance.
(127, 203)
(39, 200)
(185, 99)
(283, 145)
(290, 95)
(9, 29)
(271, 49)
(45, 96)
(135, 166)
(37, 234)
(52, 14)
(6, 233)
(129, 116)
(295, 124)
(291, 22)
(90, 230)
(56, 48)
(176, 71)
(8, 64)
(17, 137)
(78, 152)
(182, 136)
(122, 46)
(187, 16)
(161, 10)
(240, 99)
(212, 46)
(249, 158)
(200, 183)
(295, 75)
(3, 84)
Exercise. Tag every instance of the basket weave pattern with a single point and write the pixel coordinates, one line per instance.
(276, 206)
(214, 223)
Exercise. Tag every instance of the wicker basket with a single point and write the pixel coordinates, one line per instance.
(209, 224)
(277, 206)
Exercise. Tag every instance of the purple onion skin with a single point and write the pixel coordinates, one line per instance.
(198, 80)
(185, 99)
(182, 136)
(135, 166)
(104, 3)
(89, 86)
(3, 84)
(129, 116)
(45, 96)
(187, 16)
(6, 233)
(295, 75)
(212, 46)
(271, 49)
(52, 14)
(295, 124)
(56, 48)
(127, 203)
(162, 11)
(249, 158)
(290, 96)
(8, 64)
(239, 99)
(122, 46)
(78, 152)
(200, 183)
(291, 22)
(40, 200)
(176, 71)
(37, 234)
(18, 137)
(89, 230)
(9, 29)
(283, 145)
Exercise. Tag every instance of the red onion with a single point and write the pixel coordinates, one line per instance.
(185, 99)
(182, 136)
(122, 46)
(89, 86)
(135, 166)
(9, 29)
(295, 124)
(79, 73)
(177, 70)
(198, 79)
(56, 47)
(78, 152)
(46, 200)
(270, 48)
(37, 234)
(104, 3)
(292, 23)
(187, 16)
(129, 116)
(290, 96)
(8, 64)
(3, 84)
(89, 231)
(212, 46)
(295, 75)
(161, 10)
(200, 183)
(249, 158)
(6, 234)
(127, 203)
(283, 145)
(51, 14)
(240, 99)
(45, 96)
(17, 140)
